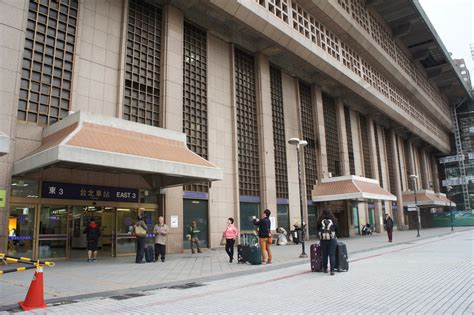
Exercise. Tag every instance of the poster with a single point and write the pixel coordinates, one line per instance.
(174, 221)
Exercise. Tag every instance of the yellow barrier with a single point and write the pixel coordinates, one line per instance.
(26, 260)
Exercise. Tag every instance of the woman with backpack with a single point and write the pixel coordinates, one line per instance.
(327, 227)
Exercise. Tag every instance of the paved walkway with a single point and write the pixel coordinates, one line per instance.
(77, 279)
(427, 276)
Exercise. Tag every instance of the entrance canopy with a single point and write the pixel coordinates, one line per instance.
(4, 144)
(93, 142)
(426, 198)
(350, 187)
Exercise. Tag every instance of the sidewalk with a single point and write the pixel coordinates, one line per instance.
(77, 279)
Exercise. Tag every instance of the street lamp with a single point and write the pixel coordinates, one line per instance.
(414, 177)
(449, 188)
(299, 146)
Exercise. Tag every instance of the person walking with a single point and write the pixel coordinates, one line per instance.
(230, 234)
(388, 222)
(327, 227)
(140, 231)
(161, 231)
(193, 237)
(265, 236)
(92, 232)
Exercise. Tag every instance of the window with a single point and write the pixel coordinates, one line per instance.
(332, 140)
(49, 44)
(142, 64)
(365, 146)
(350, 148)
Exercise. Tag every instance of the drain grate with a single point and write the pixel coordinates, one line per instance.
(126, 296)
(187, 286)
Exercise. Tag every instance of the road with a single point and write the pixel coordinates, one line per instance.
(433, 276)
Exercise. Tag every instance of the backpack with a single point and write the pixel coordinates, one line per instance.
(328, 230)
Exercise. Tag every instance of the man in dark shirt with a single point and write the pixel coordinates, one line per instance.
(92, 232)
(264, 234)
(388, 222)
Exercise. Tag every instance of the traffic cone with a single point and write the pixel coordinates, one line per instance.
(35, 296)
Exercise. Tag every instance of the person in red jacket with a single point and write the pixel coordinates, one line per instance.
(92, 232)
(230, 234)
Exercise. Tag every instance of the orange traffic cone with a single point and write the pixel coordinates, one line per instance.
(35, 296)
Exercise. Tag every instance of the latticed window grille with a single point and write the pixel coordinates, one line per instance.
(377, 147)
(45, 87)
(142, 64)
(279, 138)
(365, 146)
(195, 123)
(307, 120)
(350, 148)
(332, 140)
(247, 131)
(390, 165)
(407, 165)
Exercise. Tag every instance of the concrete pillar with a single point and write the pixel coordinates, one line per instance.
(411, 163)
(418, 170)
(425, 183)
(403, 166)
(222, 199)
(172, 85)
(384, 176)
(356, 143)
(302, 188)
(13, 28)
(265, 128)
(320, 133)
(375, 171)
(434, 169)
(293, 129)
(342, 135)
(397, 181)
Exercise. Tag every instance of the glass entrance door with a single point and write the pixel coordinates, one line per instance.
(21, 231)
(195, 210)
(53, 232)
(125, 241)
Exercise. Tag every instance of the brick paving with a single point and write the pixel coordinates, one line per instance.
(74, 280)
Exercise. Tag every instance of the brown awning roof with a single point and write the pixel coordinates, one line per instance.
(426, 198)
(112, 143)
(350, 187)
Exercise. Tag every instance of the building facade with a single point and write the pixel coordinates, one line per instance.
(116, 108)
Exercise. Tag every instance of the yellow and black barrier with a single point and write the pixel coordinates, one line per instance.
(16, 269)
(26, 260)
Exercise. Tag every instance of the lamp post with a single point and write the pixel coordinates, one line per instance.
(299, 146)
(449, 188)
(414, 177)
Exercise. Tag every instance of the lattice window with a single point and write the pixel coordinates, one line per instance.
(345, 5)
(350, 59)
(279, 138)
(307, 119)
(247, 132)
(359, 14)
(142, 64)
(303, 22)
(379, 162)
(350, 148)
(195, 123)
(279, 8)
(45, 87)
(365, 146)
(332, 140)
(389, 151)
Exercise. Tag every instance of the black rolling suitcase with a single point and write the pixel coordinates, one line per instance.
(316, 257)
(342, 259)
(149, 254)
(243, 253)
(249, 250)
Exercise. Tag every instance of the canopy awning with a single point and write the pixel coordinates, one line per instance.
(4, 144)
(110, 144)
(426, 198)
(350, 187)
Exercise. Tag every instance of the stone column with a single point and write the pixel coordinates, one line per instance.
(320, 133)
(434, 169)
(222, 199)
(375, 171)
(397, 181)
(293, 129)
(403, 167)
(172, 101)
(411, 163)
(12, 27)
(384, 176)
(418, 171)
(342, 135)
(265, 128)
(425, 183)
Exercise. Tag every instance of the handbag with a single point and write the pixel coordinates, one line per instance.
(223, 241)
(140, 231)
(270, 238)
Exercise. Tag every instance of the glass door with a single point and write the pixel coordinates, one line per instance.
(21, 231)
(125, 241)
(53, 234)
(150, 216)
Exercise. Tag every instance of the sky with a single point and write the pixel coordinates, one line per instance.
(453, 21)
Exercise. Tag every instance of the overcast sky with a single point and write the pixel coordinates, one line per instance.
(453, 21)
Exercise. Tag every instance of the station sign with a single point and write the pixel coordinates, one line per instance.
(55, 190)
